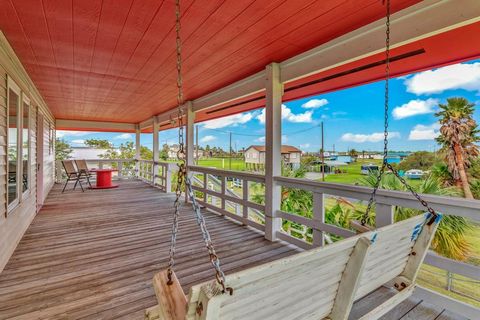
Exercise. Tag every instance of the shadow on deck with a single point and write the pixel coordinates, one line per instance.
(93, 255)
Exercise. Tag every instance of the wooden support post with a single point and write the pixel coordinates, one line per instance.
(137, 151)
(384, 215)
(189, 136)
(273, 135)
(318, 215)
(350, 281)
(156, 151)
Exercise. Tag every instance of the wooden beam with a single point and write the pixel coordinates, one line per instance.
(94, 125)
(171, 299)
(155, 147)
(137, 150)
(273, 143)
(350, 281)
(419, 251)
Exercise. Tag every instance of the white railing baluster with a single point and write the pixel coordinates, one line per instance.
(384, 214)
(318, 215)
(223, 186)
(120, 169)
(245, 198)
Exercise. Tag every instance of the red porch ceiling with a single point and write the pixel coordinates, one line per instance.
(114, 60)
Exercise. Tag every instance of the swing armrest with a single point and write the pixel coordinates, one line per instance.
(172, 302)
(357, 226)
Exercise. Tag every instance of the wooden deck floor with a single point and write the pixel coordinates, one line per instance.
(92, 255)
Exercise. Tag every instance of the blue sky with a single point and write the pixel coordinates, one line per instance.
(353, 118)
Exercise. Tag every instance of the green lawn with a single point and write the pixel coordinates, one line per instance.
(353, 174)
(223, 163)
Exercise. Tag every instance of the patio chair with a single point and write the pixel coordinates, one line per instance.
(72, 175)
(83, 170)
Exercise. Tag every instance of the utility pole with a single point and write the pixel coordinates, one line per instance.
(322, 155)
(230, 160)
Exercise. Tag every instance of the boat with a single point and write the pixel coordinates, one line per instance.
(414, 174)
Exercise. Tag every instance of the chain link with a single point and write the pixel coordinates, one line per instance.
(184, 181)
(385, 164)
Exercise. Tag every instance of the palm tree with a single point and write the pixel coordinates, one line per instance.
(458, 134)
(353, 153)
(450, 238)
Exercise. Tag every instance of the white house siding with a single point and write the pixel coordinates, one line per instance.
(14, 223)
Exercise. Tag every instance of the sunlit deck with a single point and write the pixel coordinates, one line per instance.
(92, 255)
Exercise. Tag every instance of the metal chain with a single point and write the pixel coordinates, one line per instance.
(385, 164)
(183, 179)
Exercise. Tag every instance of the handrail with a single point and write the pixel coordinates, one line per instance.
(444, 204)
(230, 173)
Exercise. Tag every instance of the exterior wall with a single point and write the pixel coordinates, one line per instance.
(14, 223)
(253, 156)
(48, 156)
(294, 157)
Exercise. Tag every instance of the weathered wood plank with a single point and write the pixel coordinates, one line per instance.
(93, 254)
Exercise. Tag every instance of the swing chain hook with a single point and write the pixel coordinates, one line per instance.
(385, 164)
(183, 181)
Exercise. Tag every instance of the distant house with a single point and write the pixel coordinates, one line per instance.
(173, 150)
(255, 157)
(86, 153)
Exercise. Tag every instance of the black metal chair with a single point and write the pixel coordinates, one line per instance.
(72, 175)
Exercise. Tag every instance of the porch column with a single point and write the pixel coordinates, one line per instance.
(137, 150)
(156, 154)
(273, 141)
(189, 133)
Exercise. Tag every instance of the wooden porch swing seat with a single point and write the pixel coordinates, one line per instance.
(322, 283)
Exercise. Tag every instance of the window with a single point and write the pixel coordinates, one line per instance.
(13, 141)
(26, 145)
(18, 182)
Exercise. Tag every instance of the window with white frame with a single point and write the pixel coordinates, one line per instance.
(18, 182)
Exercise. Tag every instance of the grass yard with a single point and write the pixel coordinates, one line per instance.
(353, 174)
(223, 163)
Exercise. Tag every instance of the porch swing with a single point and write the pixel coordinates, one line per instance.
(321, 283)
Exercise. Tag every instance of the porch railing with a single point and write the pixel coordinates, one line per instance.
(229, 193)
(158, 174)
(224, 191)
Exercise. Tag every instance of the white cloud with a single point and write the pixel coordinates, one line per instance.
(233, 120)
(421, 132)
(66, 133)
(288, 115)
(373, 137)
(261, 139)
(78, 142)
(305, 146)
(458, 76)
(315, 103)
(123, 136)
(415, 107)
(207, 139)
